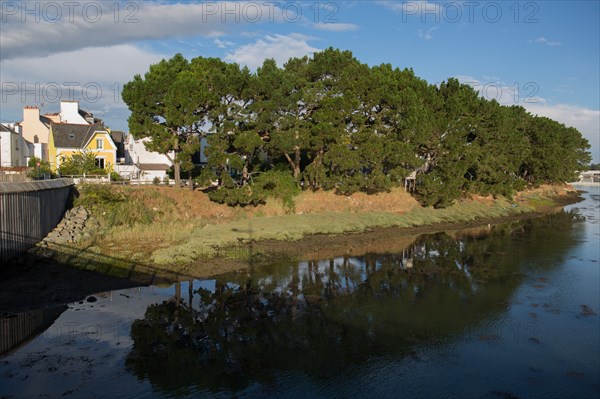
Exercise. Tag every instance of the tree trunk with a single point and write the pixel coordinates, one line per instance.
(297, 162)
(318, 160)
(245, 174)
(176, 172)
(176, 165)
(294, 163)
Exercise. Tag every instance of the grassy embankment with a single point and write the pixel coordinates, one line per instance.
(171, 229)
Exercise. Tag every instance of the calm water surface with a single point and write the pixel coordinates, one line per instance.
(505, 311)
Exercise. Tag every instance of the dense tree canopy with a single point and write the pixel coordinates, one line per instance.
(335, 123)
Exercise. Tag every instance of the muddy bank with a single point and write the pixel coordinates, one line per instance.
(34, 282)
(380, 240)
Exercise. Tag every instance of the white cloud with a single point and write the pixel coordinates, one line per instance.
(115, 63)
(335, 27)
(543, 40)
(223, 43)
(94, 24)
(427, 35)
(92, 76)
(494, 89)
(279, 47)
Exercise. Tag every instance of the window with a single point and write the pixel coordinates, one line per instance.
(99, 144)
(100, 163)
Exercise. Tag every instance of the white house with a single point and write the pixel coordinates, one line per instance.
(142, 164)
(14, 150)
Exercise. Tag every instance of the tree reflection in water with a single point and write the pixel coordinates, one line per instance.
(318, 317)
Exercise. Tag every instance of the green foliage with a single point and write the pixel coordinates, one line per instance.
(79, 163)
(206, 177)
(112, 207)
(43, 169)
(91, 195)
(279, 185)
(242, 196)
(170, 105)
(332, 122)
(114, 176)
(276, 184)
(156, 180)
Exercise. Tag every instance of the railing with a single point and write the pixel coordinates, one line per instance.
(85, 178)
(105, 179)
(12, 174)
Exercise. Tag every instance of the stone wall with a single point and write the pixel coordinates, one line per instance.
(76, 225)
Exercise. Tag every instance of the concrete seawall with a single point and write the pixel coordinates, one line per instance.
(28, 212)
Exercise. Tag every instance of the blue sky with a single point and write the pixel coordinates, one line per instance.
(543, 55)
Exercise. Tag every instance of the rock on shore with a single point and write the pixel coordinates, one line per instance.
(75, 226)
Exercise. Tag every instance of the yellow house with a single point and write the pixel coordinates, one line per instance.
(67, 139)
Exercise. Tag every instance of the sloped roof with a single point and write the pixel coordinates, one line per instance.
(68, 135)
(88, 115)
(5, 129)
(153, 166)
(118, 138)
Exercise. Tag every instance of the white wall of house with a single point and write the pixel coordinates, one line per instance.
(5, 149)
(136, 153)
(69, 113)
(149, 175)
(13, 149)
(127, 171)
(40, 150)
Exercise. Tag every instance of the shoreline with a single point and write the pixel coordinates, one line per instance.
(320, 246)
(44, 282)
(215, 240)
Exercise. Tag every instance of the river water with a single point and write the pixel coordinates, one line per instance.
(503, 311)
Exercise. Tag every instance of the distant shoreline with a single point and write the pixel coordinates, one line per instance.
(585, 184)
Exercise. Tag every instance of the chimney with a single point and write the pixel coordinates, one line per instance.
(31, 112)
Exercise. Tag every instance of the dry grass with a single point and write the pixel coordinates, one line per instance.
(205, 242)
(185, 205)
(395, 201)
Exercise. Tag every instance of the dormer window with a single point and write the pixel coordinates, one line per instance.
(71, 136)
